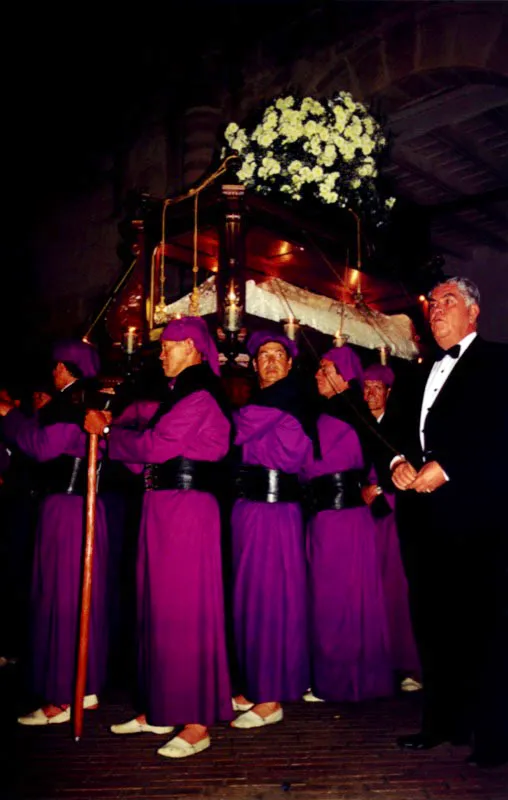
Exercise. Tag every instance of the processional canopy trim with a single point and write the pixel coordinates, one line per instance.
(276, 300)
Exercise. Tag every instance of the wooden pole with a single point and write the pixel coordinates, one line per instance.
(86, 587)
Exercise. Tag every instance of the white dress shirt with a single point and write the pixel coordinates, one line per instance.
(438, 376)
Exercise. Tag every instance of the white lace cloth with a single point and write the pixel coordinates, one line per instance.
(276, 300)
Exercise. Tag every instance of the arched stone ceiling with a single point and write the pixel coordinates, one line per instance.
(437, 75)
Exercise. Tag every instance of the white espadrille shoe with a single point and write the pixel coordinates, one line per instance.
(310, 697)
(241, 706)
(252, 720)
(411, 685)
(179, 748)
(55, 715)
(139, 725)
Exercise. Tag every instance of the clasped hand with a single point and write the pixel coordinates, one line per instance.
(96, 421)
(370, 492)
(428, 479)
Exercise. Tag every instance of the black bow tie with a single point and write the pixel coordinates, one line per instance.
(453, 352)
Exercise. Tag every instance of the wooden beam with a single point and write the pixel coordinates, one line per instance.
(445, 108)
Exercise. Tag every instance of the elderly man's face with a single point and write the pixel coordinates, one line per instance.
(177, 356)
(272, 363)
(375, 394)
(450, 318)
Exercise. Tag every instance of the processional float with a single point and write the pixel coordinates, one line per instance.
(258, 262)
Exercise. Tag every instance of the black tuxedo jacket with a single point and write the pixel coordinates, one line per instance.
(466, 432)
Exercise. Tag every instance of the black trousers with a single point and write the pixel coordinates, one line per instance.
(458, 599)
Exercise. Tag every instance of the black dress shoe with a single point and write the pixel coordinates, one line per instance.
(419, 741)
(487, 760)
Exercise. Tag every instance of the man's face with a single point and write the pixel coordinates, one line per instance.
(450, 318)
(375, 394)
(329, 381)
(176, 356)
(272, 363)
(61, 376)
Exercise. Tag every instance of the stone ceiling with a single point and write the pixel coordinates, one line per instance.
(436, 75)
(450, 155)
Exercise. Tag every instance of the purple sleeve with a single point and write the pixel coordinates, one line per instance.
(137, 415)
(44, 444)
(253, 422)
(167, 439)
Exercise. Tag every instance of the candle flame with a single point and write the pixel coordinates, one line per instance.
(354, 276)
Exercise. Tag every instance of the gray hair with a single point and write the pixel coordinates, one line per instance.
(467, 288)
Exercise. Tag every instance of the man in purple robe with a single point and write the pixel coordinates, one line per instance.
(269, 593)
(183, 668)
(379, 495)
(350, 652)
(55, 438)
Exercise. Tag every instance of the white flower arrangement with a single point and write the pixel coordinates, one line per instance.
(306, 148)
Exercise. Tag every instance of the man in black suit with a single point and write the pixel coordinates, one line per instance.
(451, 507)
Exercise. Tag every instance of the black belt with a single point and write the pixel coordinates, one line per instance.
(335, 491)
(263, 485)
(182, 474)
(62, 482)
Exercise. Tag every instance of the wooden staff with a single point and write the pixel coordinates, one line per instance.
(86, 587)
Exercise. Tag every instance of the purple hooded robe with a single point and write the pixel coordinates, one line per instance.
(57, 570)
(269, 594)
(402, 643)
(350, 653)
(183, 668)
(403, 647)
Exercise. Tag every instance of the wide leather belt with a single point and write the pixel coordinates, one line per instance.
(66, 481)
(335, 491)
(263, 485)
(183, 474)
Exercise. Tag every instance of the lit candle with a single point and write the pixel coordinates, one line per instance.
(130, 341)
(232, 316)
(291, 327)
(384, 352)
(340, 339)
